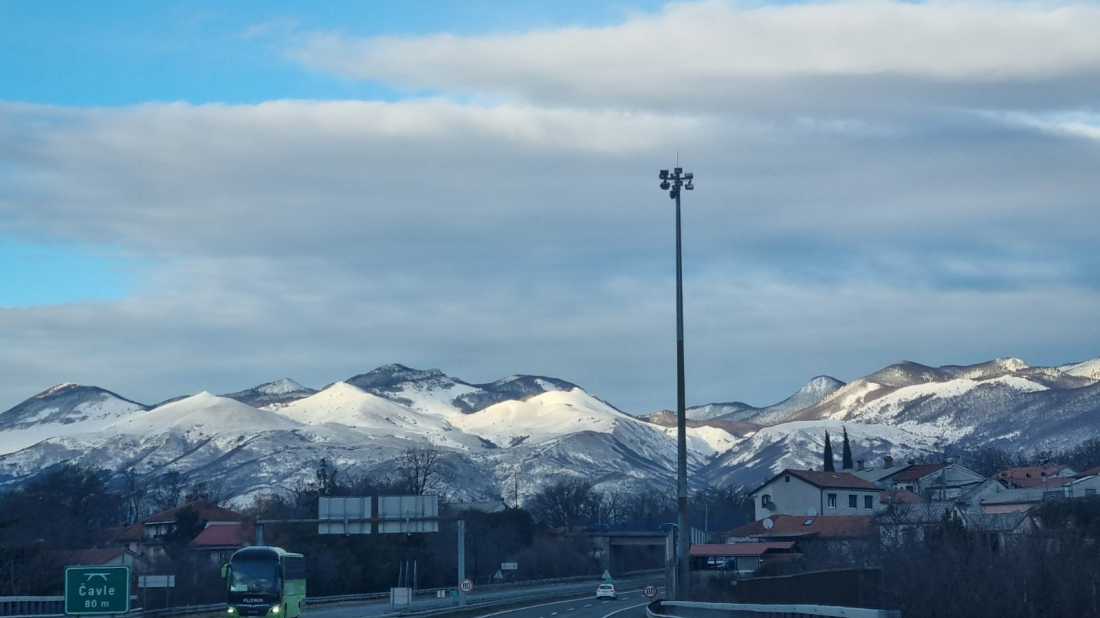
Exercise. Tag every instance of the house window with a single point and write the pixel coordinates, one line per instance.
(868, 502)
(832, 501)
(852, 501)
(1090, 492)
(787, 479)
(766, 501)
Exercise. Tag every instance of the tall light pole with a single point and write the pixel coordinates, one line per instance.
(673, 183)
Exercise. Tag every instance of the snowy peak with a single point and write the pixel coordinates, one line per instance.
(205, 414)
(544, 417)
(394, 376)
(816, 390)
(517, 387)
(67, 404)
(352, 406)
(272, 394)
(1084, 369)
(732, 410)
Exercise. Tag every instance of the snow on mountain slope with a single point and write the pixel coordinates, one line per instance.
(428, 391)
(204, 414)
(799, 445)
(1085, 369)
(543, 417)
(272, 394)
(814, 391)
(344, 404)
(65, 409)
(733, 410)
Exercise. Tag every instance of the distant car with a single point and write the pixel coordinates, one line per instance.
(606, 591)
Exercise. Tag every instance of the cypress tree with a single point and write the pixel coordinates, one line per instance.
(830, 466)
(846, 457)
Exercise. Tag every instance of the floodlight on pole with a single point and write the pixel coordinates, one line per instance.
(673, 183)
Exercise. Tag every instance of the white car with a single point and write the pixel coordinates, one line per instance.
(606, 591)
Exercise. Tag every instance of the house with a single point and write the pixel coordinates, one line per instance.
(1020, 499)
(1032, 476)
(970, 501)
(810, 493)
(103, 556)
(1002, 529)
(1082, 487)
(902, 523)
(801, 527)
(739, 557)
(146, 538)
(220, 539)
(935, 481)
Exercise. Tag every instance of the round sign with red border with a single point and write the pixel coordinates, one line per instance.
(650, 591)
(466, 585)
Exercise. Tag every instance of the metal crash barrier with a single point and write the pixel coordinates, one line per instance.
(689, 609)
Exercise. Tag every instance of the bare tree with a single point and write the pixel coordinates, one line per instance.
(568, 502)
(420, 469)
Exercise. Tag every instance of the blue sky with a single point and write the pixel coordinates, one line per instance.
(208, 196)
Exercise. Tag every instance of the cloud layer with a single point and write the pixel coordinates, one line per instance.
(876, 181)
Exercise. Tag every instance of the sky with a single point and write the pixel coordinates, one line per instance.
(200, 195)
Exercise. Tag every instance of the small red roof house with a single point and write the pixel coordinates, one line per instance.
(812, 493)
(1035, 476)
(103, 556)
(1089, 472)
(792, 528)
(146, 537)
(740, 557)
(221, 539)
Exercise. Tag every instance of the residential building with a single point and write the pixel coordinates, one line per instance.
(934, 482)
(811, 493)
(103, 556)
(802, 527)
(146, 538)
(742, 558)
(1032, 476)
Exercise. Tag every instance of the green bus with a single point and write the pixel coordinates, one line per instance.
(265, 581)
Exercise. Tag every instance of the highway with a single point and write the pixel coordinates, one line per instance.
(581, 603)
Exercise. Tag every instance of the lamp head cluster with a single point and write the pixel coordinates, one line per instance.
(674, 181)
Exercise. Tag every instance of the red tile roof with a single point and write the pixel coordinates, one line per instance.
(829, 480)
(739, 549)
(1089, 472)
(206, 511)
(915, 472)
(224, 535)
(1030, 476)
(789, 526)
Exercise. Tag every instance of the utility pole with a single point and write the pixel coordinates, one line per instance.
(673, 183)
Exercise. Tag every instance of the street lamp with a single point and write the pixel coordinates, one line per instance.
(673, 183)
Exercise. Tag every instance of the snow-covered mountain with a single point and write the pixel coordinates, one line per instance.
(272, 394)
(65, 409)
(520, 433)
(433, 392)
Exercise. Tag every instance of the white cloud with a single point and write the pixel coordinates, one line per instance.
(753, 56)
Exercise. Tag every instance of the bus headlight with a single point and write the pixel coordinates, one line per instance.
(231, 611)
(275, 610)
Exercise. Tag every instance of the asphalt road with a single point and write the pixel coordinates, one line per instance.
(582, 605)
(629, 605)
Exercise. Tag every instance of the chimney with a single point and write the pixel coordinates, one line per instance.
(887, 462)
(859, 463)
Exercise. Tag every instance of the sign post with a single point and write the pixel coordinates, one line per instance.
(97, 590)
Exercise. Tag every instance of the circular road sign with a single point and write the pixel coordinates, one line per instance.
(466, 585)
(650, 591)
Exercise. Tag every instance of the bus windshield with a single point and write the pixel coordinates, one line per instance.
(255, 576)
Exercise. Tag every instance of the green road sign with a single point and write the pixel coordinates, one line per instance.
(97, 590)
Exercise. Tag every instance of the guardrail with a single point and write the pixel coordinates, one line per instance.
(691, 609)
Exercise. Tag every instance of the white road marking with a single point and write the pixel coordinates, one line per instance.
(589, 605)
(619, 611)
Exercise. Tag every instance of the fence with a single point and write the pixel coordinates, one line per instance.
(687, 609)
(841, 587)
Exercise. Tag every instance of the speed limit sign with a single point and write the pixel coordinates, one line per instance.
(650, 591)
(466, 585)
